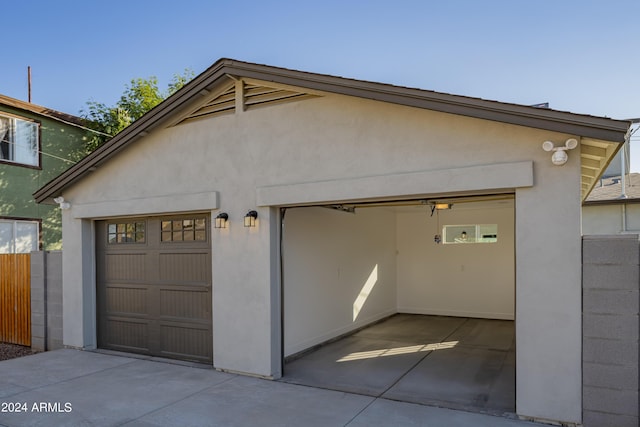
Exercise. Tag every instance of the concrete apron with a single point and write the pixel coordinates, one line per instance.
(74, 387)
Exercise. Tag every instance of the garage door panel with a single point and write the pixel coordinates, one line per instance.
(185, 267)
(125, 267)
(189, 303)
(186, 342)
(131, 300)
(127, 334)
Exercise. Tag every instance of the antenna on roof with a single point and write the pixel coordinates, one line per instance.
(29, 81)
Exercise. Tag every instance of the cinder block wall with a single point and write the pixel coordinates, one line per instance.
(610, 308)
(46, 300)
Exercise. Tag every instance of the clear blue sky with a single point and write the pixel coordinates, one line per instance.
(580, 56)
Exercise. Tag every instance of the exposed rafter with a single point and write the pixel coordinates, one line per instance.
(240, 95)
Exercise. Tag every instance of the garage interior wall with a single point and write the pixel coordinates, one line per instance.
(339, 273)
(344, 270)
(470, 280)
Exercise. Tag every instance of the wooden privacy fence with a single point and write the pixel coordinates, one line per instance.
(15, 299)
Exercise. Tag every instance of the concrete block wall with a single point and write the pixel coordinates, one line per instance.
(46, 300)
(38, 302)
(610, 329)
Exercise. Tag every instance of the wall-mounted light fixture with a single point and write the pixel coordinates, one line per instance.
(250, 219)
(442, 206)
(560, 155)
(63, 205)
(221, 220)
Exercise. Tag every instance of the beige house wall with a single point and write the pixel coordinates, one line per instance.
(606, 219)
(335, 148)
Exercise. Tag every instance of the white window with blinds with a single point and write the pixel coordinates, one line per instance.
(17, 236)
(19, 141)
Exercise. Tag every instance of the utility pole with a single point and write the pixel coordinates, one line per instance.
(29, 81)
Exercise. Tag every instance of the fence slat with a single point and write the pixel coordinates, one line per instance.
(15, 299)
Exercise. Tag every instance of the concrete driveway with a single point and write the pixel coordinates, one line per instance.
(81, 388)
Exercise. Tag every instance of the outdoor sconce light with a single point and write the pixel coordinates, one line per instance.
(250, 219)
(221, 220)
(63, 205)
(560, 155)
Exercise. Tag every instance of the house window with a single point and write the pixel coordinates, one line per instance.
(470, 233)
(126, 232)
(19, 141)
(18, 237)
(184, 230)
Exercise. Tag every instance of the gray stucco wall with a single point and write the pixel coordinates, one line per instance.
(46, 300)
(340, 149)
(611, 303)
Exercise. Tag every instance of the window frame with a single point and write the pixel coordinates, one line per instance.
(13, 219)
(38, 124)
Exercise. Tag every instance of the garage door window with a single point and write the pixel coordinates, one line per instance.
(184, 230)
(126, 232)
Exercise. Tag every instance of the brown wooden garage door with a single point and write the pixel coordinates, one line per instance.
(154, 286)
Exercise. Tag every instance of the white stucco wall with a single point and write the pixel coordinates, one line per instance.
(475, 280)
(339, 273)
(327, 149)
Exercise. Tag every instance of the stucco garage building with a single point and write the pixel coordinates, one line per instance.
(344, 176)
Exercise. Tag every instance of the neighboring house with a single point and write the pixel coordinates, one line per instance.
(36, 145)
(338, 202)
(613, 206)
(610, 209)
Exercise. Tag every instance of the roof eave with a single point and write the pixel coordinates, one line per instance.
(43, 111)
(619, 201)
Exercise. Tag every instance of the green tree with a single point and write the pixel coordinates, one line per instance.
(140, 96)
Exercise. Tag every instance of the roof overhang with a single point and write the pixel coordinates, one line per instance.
(43, 111)
(595, 156)
(600, 136)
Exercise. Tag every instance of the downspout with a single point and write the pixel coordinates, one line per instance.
(623, 170)
(624, 218)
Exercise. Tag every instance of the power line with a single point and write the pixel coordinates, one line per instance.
(42, 152)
